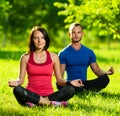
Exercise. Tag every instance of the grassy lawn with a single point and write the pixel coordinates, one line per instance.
(104, 103)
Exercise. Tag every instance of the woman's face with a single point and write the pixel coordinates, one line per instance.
(39, 40)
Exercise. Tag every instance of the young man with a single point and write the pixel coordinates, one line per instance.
(75, 59)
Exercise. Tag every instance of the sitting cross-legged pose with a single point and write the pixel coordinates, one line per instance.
(76, 58)
(40, 64)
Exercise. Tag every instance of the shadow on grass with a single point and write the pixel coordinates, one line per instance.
(7, 112)
(102, 94)
(87, 109)
(11, 55)
(90, 107)
(15, 55)
(110, 95)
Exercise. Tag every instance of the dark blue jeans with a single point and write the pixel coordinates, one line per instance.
(23, 95)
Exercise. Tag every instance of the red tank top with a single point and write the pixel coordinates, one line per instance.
(40, 76)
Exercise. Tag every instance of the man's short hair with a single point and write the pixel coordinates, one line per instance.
(74, 24)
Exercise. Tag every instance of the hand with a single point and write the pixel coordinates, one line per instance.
(12, 83)
(110, 71)
(77, 83)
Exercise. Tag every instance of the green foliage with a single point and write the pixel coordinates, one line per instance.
(19, 16)
(5, 8)
(100, 19)
(102, 16)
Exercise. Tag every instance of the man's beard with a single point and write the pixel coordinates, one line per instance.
(76, 41)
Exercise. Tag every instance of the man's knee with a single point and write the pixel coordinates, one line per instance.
(105, 80)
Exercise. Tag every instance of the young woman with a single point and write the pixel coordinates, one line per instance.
(40, 65)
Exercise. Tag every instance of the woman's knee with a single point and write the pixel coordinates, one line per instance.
(26, 94)
(19, 90)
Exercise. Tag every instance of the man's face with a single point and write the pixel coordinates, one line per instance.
(76, 34)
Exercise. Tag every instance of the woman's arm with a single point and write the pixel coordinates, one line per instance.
(58, 74)
(22, 72)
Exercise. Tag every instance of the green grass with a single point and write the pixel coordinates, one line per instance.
(104, 103)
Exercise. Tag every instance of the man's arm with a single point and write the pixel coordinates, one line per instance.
(99, 72)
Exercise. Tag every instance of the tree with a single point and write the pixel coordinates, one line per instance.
(19, 16)
(103, 15)
(4, 15)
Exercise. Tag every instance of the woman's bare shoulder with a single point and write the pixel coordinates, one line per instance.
(25, 56)
(52, 54)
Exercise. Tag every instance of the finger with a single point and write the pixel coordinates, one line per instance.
(111, 68)
(79, 81)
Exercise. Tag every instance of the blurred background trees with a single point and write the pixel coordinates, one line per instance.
(100, 19)
(19, 16)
